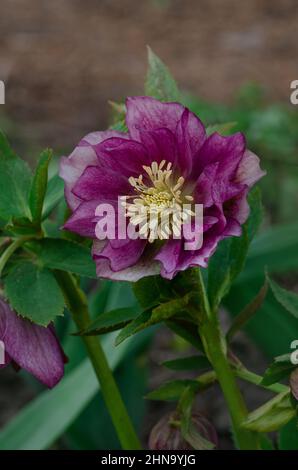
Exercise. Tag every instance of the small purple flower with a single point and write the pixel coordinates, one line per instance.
(165, 160)
(31, 347)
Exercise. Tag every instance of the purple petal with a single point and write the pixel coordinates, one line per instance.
(226, 150)
(120, 258)
(191, 135)
(33, 347)
(161, 145)
(122, 155)
(142, 268)
(83, 220)
(83, 155)
(101, 185)
(249, 171)
(145, 113)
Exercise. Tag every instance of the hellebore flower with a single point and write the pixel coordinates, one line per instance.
(165, 160)
(32, 347)
(166, 434)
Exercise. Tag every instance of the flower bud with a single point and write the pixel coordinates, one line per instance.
(167, 435)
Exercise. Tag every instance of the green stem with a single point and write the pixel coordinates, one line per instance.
(215, 348)
(78, 307)
(256, 379)
(10, 250)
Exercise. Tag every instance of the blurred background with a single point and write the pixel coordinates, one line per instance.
(62, 61)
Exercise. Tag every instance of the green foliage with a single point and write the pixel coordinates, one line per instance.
(288, 436)
(229, 258)
(39, 186)
(111, 321)
(159, 82)
(278, 370)
(34, 293)
(66, 255)
(15, 182)
(54, 194)
(289, 300)
(270, 417)
(172, 391)
(151, 317)
(47, 417)
(248, 312)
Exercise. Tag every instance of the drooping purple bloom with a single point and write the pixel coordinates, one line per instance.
(31, 347)
(164, 160)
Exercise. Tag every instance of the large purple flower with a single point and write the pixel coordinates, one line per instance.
(31, 347)
(165, 160)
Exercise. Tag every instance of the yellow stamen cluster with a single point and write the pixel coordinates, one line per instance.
(158, 208)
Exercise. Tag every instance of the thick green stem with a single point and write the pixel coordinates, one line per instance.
(77, 304)
(215, 348)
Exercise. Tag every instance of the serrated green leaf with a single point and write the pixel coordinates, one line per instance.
(15, 181)
(111, 321)
(288, 299)
(159, 82)
(171, 391)
(34, 293)
(188, 363)
(279, 369)
(39, 185)
(151, 317)
(54, 195)
(272, 415)
(66, 255)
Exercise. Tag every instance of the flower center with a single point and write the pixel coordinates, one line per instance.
(158, 209)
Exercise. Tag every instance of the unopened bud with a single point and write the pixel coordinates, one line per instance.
(167, 435)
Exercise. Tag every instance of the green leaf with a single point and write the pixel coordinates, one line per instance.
(272, 415)
(277, 249)
(66, 255)
(39, 185)
(159, 82)
(229, 258)
(171, 391)
(222, 129)
(54, 195)
(15, 181)
(147, 291)
(279, 369)
(46, 418)
(149, 318)
(111, 321)
(272, 320)
(185, 329)
(188, 363)
(195, 439)
(34, 293)
(288, 436)
(288, 299)
(248, 312)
